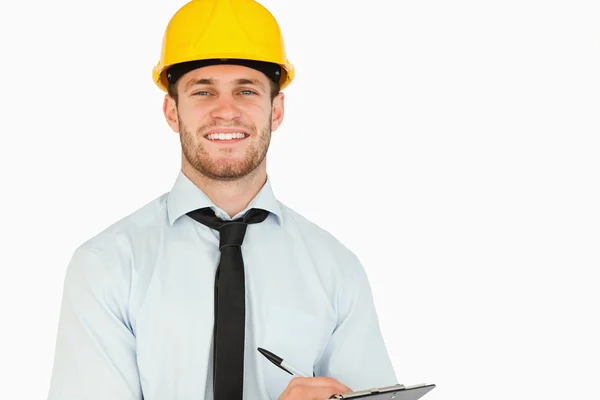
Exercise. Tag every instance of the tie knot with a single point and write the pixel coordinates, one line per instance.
(231, 232)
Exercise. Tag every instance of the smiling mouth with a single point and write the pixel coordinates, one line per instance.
(226, 136)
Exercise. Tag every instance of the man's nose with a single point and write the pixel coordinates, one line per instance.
(226, 109)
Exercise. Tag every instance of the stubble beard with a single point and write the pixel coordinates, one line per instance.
(223, 169)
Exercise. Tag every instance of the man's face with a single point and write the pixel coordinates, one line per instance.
(224, 118)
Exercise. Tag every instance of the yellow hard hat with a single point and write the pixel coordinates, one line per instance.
(222, 30)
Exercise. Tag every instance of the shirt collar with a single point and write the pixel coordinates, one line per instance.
(185, 196)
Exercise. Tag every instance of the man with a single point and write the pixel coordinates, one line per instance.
(149, 304)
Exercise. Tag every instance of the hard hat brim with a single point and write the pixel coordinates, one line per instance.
(271, 70)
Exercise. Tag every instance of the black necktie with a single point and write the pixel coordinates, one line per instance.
(230, 301)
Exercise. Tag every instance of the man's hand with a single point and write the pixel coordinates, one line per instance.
(319, 388)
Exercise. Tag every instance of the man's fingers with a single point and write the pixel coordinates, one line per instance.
(316, 388)
(304, 392)
(322, 382)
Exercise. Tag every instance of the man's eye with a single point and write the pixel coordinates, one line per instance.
(201, 93)
(247, 92)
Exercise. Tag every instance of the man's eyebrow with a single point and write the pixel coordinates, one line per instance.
(202, 81)
(246, 81)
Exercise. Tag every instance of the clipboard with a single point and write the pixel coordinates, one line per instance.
(396, 392)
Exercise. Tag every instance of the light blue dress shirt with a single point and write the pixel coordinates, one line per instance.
(136, 320)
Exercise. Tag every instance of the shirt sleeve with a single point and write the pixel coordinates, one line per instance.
(95, 346)
(356, 354)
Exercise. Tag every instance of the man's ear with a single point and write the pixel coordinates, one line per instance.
(277, 111)
(170, 112)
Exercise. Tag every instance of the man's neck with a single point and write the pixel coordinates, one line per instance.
(230, 196)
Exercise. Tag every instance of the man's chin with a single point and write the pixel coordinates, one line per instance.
(229, 173)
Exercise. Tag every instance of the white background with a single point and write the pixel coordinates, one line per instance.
(453, 145)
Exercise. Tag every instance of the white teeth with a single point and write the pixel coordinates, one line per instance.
(225, 136)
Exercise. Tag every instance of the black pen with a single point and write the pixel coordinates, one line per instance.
(278, 361)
